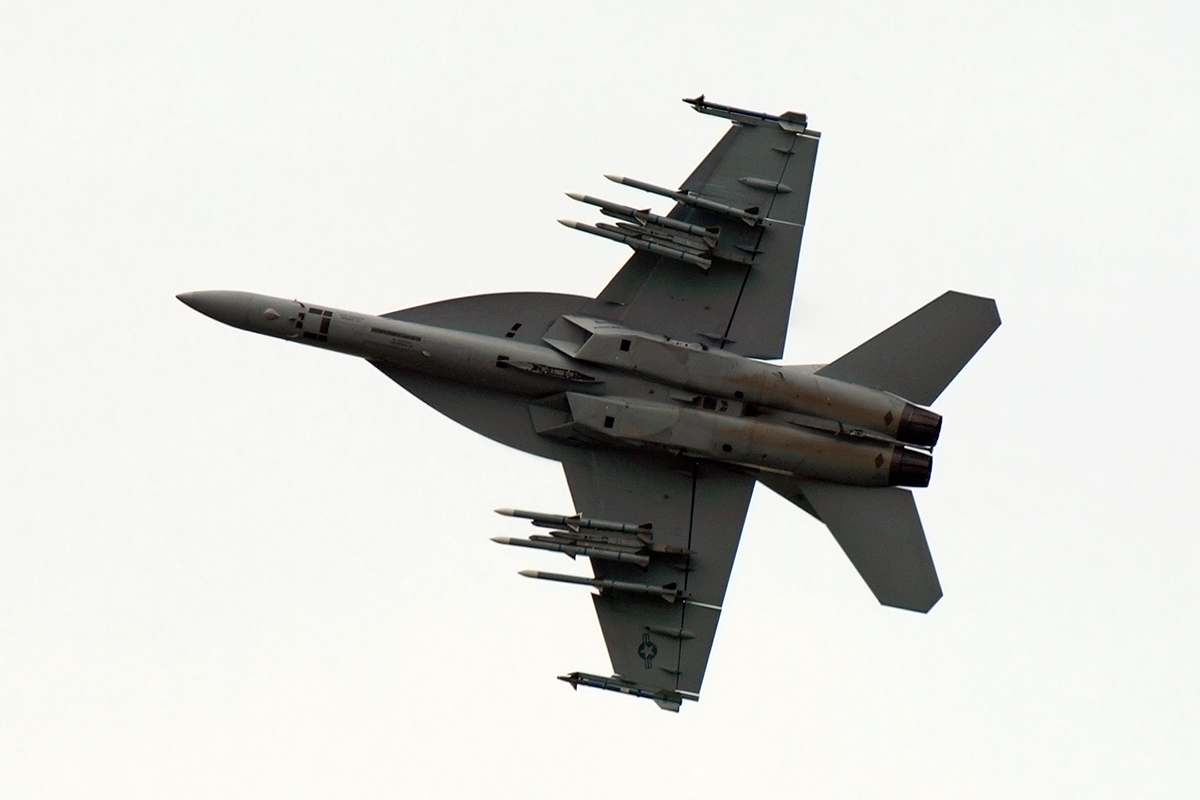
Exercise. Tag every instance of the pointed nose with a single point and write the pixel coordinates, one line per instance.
(227, 307)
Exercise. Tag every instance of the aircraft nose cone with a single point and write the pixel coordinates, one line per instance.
(227, 307)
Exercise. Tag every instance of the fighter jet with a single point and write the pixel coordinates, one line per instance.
(660, 399)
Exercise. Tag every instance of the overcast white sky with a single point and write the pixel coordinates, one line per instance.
(232, 567)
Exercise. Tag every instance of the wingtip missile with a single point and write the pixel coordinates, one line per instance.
(666, 699)
(506, 512)
(576, 196)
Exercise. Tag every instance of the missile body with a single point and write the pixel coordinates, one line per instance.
(669, 592)
(576, 550)
(750, 216)
(667, 699)
(638, 243)
(577, 522)
(627, 212)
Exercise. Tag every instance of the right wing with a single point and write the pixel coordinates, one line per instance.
(659, 646)
(760, 173)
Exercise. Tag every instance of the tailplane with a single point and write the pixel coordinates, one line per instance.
(879, 530)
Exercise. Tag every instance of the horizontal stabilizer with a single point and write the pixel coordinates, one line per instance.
(880, 531)
(918, 356)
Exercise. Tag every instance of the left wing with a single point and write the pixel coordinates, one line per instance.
(659, 644)
(721, 266)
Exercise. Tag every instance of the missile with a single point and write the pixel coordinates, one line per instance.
(790, 121)
(591, 539)
(688, 243)
(669, 592)
(626, 212)
(665, 698)
(750, 216)
(640, 545)
(576, 522)
(637, 243)
(575, 550)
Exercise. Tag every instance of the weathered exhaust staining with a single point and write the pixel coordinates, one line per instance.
(699, 368)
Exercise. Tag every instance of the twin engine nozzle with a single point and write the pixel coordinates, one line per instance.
(919, 426)
(910, 468)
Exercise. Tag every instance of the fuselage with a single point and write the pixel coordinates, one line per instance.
(592, 383)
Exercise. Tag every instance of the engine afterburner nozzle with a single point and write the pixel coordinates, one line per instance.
(919, 426)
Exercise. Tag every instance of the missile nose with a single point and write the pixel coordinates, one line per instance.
(227, 307)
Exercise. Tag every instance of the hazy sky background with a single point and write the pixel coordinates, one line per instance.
(232, 567)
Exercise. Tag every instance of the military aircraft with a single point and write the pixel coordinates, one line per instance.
(658, 398)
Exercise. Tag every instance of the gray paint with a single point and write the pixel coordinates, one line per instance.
(918, 356)
(742, 307)
(880, 532)
(648, 397)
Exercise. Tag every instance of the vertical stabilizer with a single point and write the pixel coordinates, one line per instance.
(918, 356)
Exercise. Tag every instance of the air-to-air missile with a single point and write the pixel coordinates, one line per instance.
(576, 522)
(645, 217)
(669, 591)
(638, 241)
(750, 216)
(665, 698)
(573, 550)
(596, 538)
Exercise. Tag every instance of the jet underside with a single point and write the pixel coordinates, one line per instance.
(654, 398)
